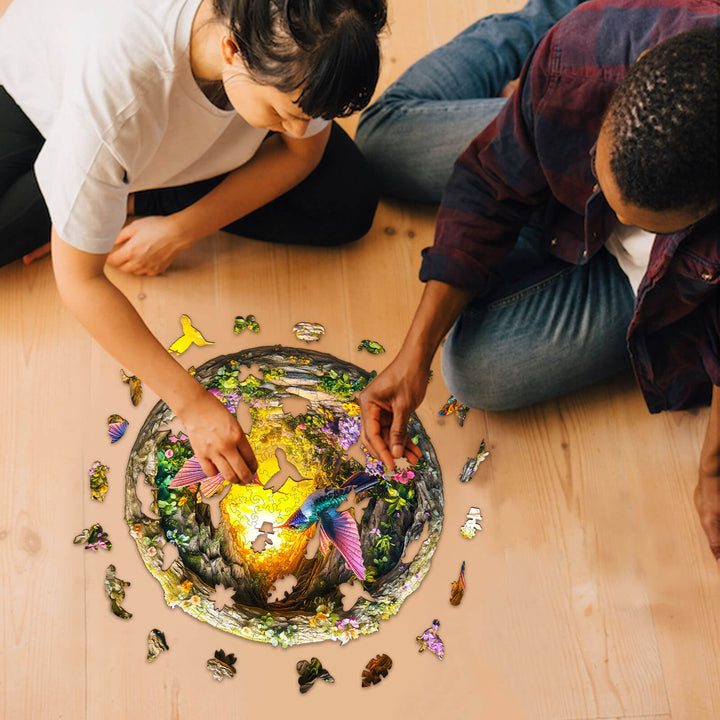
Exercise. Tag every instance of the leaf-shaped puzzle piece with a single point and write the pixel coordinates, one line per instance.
(376, 670)
(372, 346)
(457, 587)
(135, 386)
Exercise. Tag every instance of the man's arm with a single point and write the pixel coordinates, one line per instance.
(147, 246)
(707, 493)
(217, 439)
(387, 403)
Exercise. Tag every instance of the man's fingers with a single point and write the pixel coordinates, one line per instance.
(398, 430)
(248, 456)
(208, 467)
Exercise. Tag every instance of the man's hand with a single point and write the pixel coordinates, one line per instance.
(707, 492)
(148, 245)
(386, 405)
(218, 441)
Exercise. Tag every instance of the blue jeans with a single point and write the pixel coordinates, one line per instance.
(413, 133)
(549, 328)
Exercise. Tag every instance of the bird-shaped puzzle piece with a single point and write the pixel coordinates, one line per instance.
(190, 335)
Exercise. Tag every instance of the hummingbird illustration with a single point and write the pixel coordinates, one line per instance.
(190, 335)
(338, 528)
(191, 473)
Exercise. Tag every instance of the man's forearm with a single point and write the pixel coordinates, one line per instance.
(710, 455)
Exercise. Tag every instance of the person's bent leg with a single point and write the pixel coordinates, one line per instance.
(413, 133)
(560, 328)
(334, 205)
(24, 219)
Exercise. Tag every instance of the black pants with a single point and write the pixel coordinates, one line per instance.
(335, 204)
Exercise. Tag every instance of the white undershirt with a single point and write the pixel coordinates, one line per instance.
(631, 247)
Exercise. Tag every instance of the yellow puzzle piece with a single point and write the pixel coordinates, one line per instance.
(190, 335)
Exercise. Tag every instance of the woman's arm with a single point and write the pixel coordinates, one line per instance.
(147, 246)
(217, 439)
(707, 493)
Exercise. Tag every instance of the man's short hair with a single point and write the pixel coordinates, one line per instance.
(663, 121)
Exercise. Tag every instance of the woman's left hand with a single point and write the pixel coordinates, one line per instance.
(148, 245)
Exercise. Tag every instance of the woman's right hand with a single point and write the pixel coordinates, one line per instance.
(218, 441)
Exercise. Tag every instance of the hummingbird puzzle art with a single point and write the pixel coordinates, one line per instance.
(311, 522)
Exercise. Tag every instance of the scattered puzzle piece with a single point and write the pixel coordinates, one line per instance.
(156, 644)
(190, 335)
(94, 538)
(222, 597)
(98, 480)
(430, 640)
(221, 665)
(376, 670)
(457, 588)
(472, 524)
(117, 426)
(308, 332)
(473, 463)
(246, 323)
(281, 588)
(454, 406)
(115, 590)
(135, 387)
(372, 346)
(311, 671)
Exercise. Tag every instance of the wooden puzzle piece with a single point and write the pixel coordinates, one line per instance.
(191, 335)
(376, 670)
(457, 588)
(414, 546)
(135, 385)
(372, 346)
(454, 406)
(117, 425)
(222, 665)
(308, 331)
(309, 672)
(430, 640)
(281, 588)
(94, 538)
(472, 524)
(98, 480)
(246, 323)
(156, 644)
(352, 592)
(473, 463)
(115, 590)
(222, 597)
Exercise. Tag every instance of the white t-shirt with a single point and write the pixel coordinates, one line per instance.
(631, 247)
(109, 85)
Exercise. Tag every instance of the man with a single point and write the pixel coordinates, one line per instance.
(578, 233)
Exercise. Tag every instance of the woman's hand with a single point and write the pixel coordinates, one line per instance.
(386, 405)
(218, 441)
(148, 245)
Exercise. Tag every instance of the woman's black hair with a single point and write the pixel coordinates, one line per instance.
(663, 121)
(329, 48)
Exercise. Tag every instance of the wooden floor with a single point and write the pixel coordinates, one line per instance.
(591, 592)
